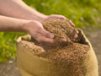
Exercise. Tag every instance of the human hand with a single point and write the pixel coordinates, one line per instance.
(60, 17)
(36, 30)
(49, 21)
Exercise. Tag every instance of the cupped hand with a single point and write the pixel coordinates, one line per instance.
(60, 17)
(36, 30)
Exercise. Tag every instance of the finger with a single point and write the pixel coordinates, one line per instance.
(46, 34)
(58, 16)
(40, 38)
(44, 39)
(71, 23)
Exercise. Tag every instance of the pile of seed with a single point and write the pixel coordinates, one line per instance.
(61, 28)
(69, 58)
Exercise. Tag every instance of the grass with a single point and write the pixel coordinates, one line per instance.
(82, 12)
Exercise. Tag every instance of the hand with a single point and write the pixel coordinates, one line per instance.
(50, 16)
(60, 17)
(36, 30)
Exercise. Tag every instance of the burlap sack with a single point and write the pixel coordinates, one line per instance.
(31, 64)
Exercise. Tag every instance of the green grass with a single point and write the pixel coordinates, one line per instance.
(7, 45)
(82, 12)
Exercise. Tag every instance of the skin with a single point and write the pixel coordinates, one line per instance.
(18, 9)
(16, 16)
(33, 27)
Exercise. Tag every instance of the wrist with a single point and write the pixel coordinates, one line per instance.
(30, 25)
(24, 27)
(42, 17)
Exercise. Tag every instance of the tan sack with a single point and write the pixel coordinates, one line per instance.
(32, 61)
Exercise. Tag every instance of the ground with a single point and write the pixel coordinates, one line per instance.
(94, 35)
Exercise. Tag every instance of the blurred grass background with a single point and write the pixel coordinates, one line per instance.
(84, 13)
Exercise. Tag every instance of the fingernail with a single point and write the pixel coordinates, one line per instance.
(71, 23)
